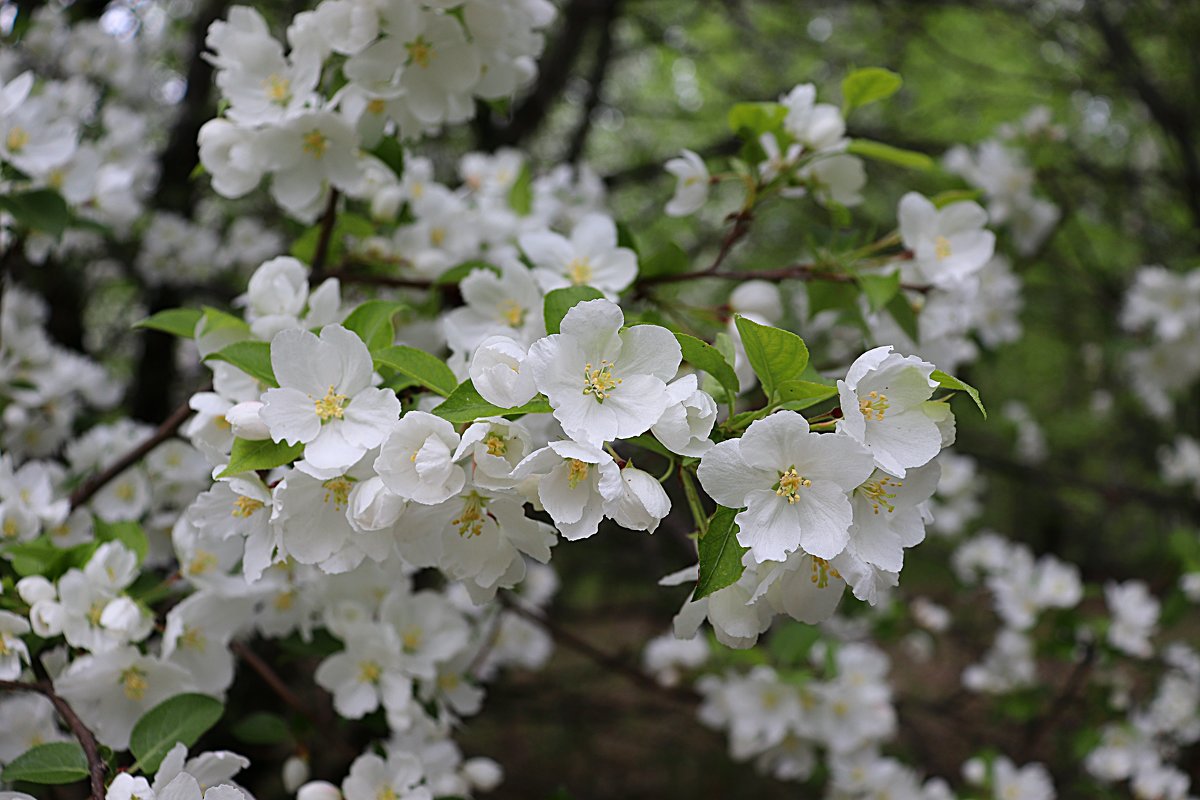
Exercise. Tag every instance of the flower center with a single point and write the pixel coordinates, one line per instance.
(279, 89)
(284, 600)
(470, 521)
(512, 313)
(879, 496)
(420, 52)
(369, 672)
(10, 528)
(386, 793)
(599, 381)
(193, 638)
(576, 471)
(411, 640)
(376, 106)
(339, 490)
(202, 562)
(437, 236)
(17, 138)
(873, 406)
(332, 405)
(4, 648)
(496, 446)
(790, 483)
(822, 572)
(95, 612)
(580, 270)
(133, 682)
(245, 506)
(941, 247)
(315, 143)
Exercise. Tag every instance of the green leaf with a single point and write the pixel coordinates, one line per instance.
(751, 120)
(466, 405)
(390, 152)
(372, 321)
(943, 199)
(704, 356)
(800, 394)
(262, 728)
(671, 260)
(215, 319)
(56, 762)
(127, 533)
(879, 289)
(720, 554)
(626, 239)
(251, 456)
(38, 556)
(647, 441)
(869, 85)
(181, 719)
(520, 195)
(559, 301)
(41, 210)
(878, 151)
(777, 356)
(947, 381)
(179, 322)
(902, 311)
(251, 357)
(460, 271)
(427, 370)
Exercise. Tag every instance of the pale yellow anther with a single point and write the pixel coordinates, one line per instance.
(376, 106)
(822, 572)
(579, 270)
(279, 89)
(512, 313)
(284, 600)
(315, 143)
(331, 406)
(245, 506)
(193, 638)
(411, 640)
(941, 247)
(577, 471)
(420, 52)
(133, 682)
(369, 672)
(878, 495)
(437, 236)
(17, 138)
(470, 521)
(599, 381)
(338, 490)
(790, 484)
(873, 406)
(495, 445)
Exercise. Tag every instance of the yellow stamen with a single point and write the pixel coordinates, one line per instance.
(577, 471)
(279, 89)
(315, 143)
(332, 405)
(420, 52)
(470, 521)
(512, 313)
(411, 640)
(386, 793)
(580, 270)
(284, 600)
(941, 247)
(369, 672)
(599, 381)
(10, 529)
(448, 682)
(873, 406)
(496, 446)
(822, 572)
(790, 484)
(125, 492)
(245, 506)
(339, 490)
(202, 562)
(133, 681)
(437, 236)
(376, 106)
(877, 493)
(17, 138)
(193, 638)
(95, 612)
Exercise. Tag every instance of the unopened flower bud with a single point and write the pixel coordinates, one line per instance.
(246, 422)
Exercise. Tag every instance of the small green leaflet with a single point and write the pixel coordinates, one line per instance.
(798, 394)
(878, 151)
(372, 321)
(56, 762)
(559, 301)
(879, 289)
(127, 533)
(466, 405)
(427, 370)
(720, 554)
(179, 322)
(41, 210)
(752, 120)
(460, 271)
(777, 356)
(251, 456)
(182, 718)
(704, 356)
(520, 196)
(869, 85)
(947, 381)
(251, 357)
(671, 260)
(262, 728)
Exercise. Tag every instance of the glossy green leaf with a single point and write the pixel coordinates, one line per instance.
(251, 456)
(868, 85)
(559, 301)
(520, 195)
(947, 381)
(372, 321)
(777, 356)
(879, 289)
(466, 405)
(179, 322)
(53, 763)
(40, 209)
(720, 554)
(704, 356)
(181, 719)
(251, 357)
(427, 370)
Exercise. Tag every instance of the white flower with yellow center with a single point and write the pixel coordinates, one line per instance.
(366, 674)
(948, 244)
(886, 408)
(307, 154)
(792, 483)
(499, 374)
(325, 398)
(604, 383)
(508, 304)
(890, 515)
(239, 506)
(373, 778)
(13, 652)
(577, 481)
(417, 460)
(590, 257)
(431, 630)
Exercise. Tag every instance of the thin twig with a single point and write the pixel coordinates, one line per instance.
(325, 237)
(794, 272)
(269, 677)
(82, 733)
(1062, 702)
(606, 660)
(165, 431)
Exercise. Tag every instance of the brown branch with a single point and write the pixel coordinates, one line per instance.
(81, 732)
(325, 237)
(276, 684)
(607, 661)
(165, 431)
